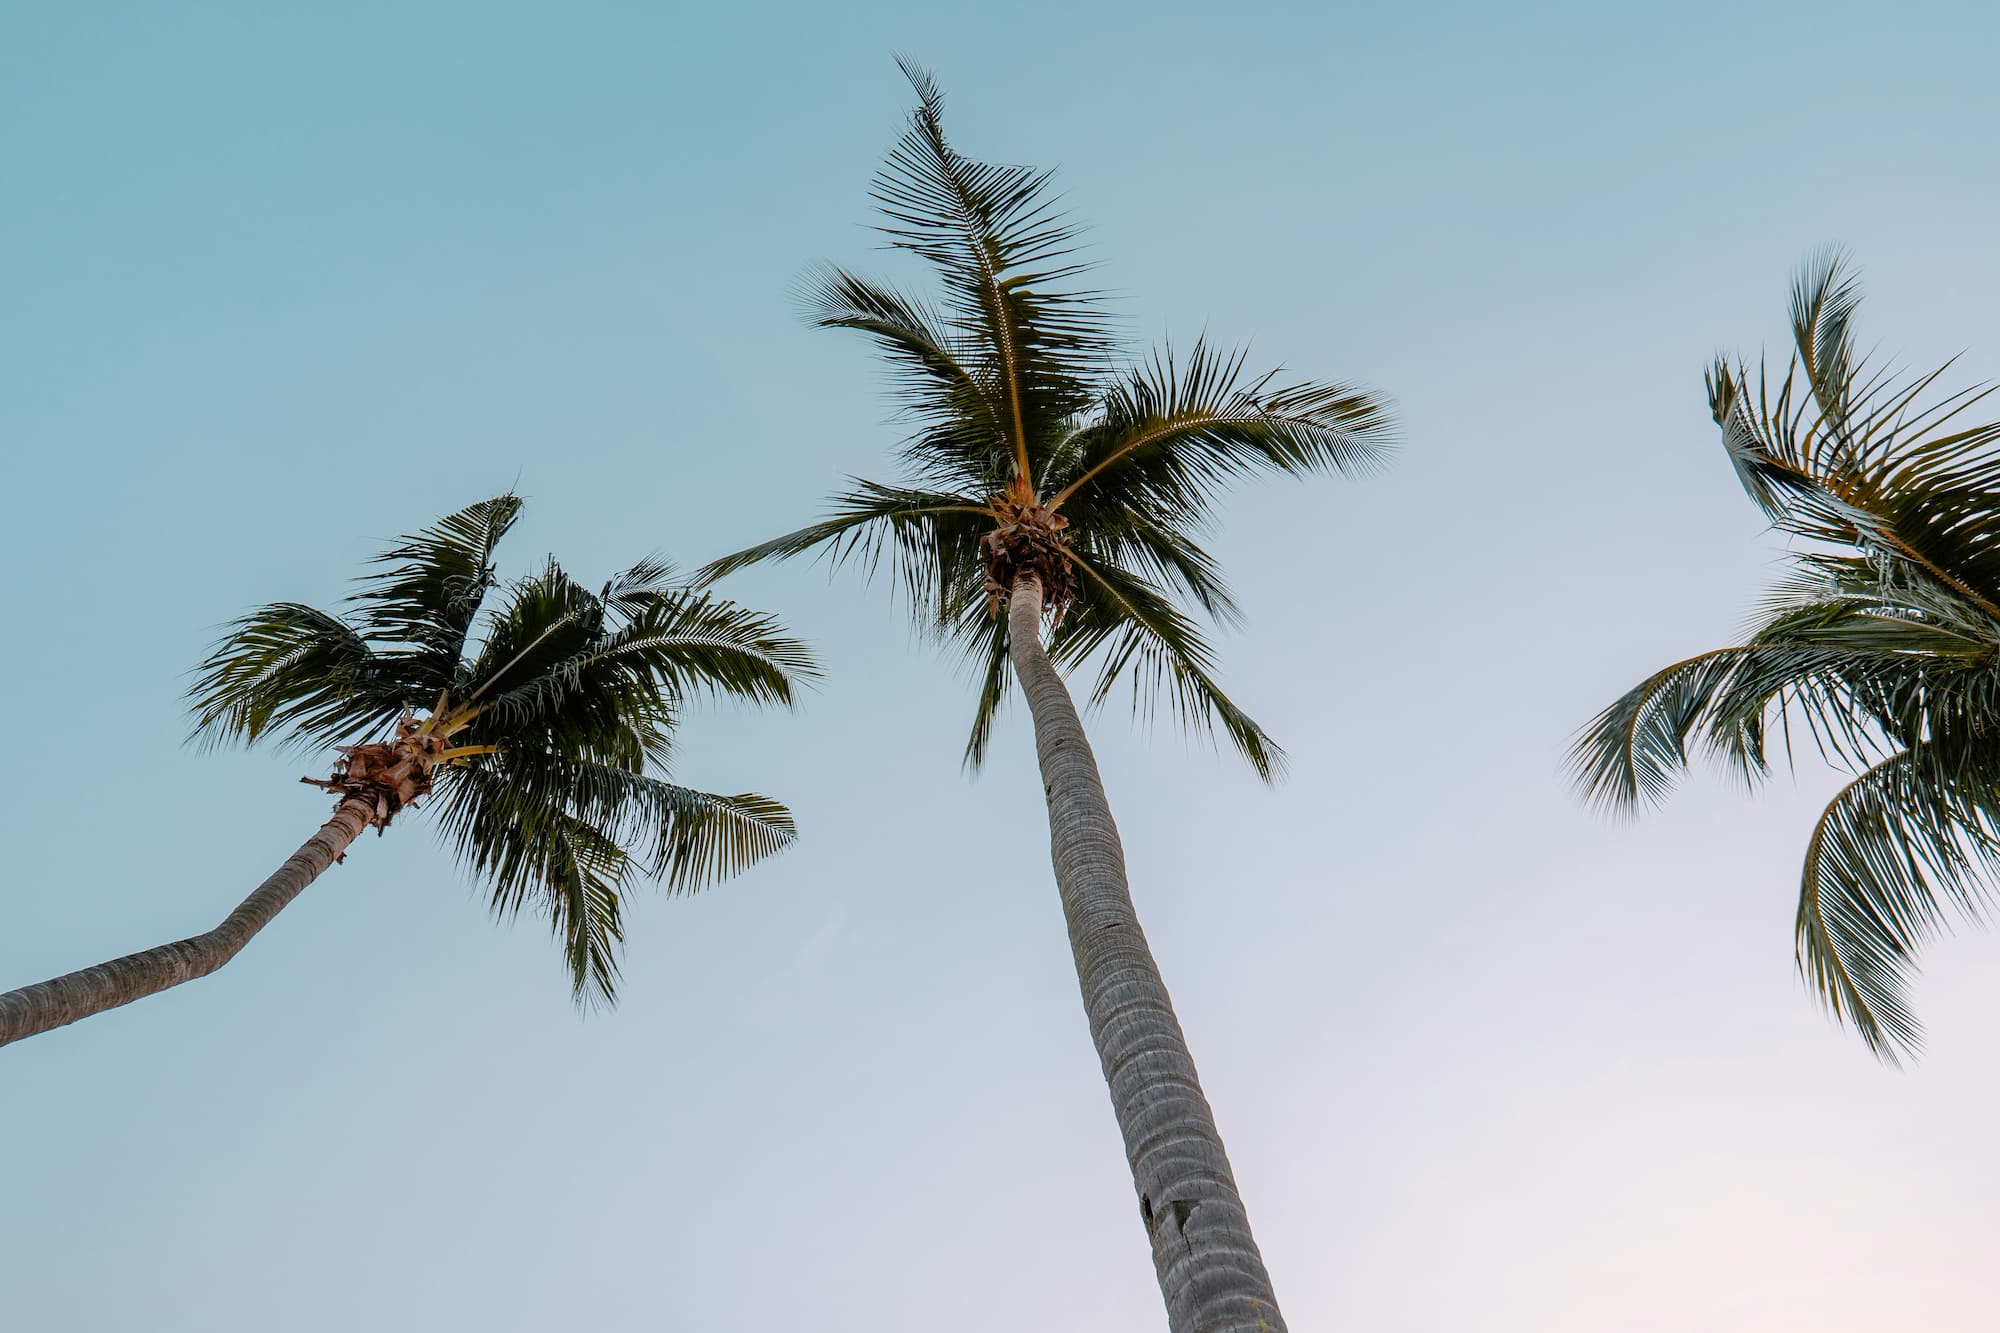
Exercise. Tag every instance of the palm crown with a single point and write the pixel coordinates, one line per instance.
(549, 722)
(1022, 416)
(1882, 643)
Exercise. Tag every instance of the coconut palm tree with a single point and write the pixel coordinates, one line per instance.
(1049, 492)
(540, 733)
(1881, 642)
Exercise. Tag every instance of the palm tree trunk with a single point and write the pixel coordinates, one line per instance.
(1210, 1272)
(51, 1004)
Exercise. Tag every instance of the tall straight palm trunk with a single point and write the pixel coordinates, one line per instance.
(52, 1004)
(1210, 1272)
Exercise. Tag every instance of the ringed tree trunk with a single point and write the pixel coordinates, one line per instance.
(52, 1004)
(1210, 1272)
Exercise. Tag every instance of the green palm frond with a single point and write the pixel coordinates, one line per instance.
(946, 384)
(702, 837)
(1175, 428)
(1129, 537)
(983, 638)
(632, 589)
(1159, 650)
(542, 827)
(523, 667)
(1004, 257)
(1633, 751)
(1841, 453)
(1882, 643)
(559, 703)
(297, 671)
(1853, 681)
(929, 538)
(696, 643)
(1906, 841)
(527, 846)
(428, 592)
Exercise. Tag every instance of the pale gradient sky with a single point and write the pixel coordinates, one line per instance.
(280, 281)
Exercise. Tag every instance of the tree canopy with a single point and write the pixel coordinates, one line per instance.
(1881, 645)
(1020, 396)
(558, 704)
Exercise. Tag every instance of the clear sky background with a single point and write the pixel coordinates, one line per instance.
(278, 282)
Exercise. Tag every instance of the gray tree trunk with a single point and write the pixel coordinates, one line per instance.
(51, 1004)
(1210, 1272)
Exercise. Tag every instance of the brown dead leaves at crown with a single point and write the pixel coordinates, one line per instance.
(387, 775)
(1031, 541)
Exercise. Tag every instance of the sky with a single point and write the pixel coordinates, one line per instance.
(278, 282)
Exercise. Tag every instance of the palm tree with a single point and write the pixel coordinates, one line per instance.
(1882, 642)
(1049, 491)
(547, 731)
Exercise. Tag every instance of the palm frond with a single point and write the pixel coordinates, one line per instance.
(1004, 256)
(422, 603)
(930, 538)
(1902, 846)
(561, 663)
(1154, 646)
(1128, 535)
(526, 846)
(984, 640)
(292, 669)
(1633, 751)
(946, 383)
(545, 624)
(1851, 681)
(1825, 295)
(1839, 453)
(571, 833)
(697, 643)
(703, 837)
(632, 589)
(1174, 429)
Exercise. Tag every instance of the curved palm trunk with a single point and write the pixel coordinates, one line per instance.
(51, 1004)
(1210, 1271)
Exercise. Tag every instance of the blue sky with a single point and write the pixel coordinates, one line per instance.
(279, 282)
